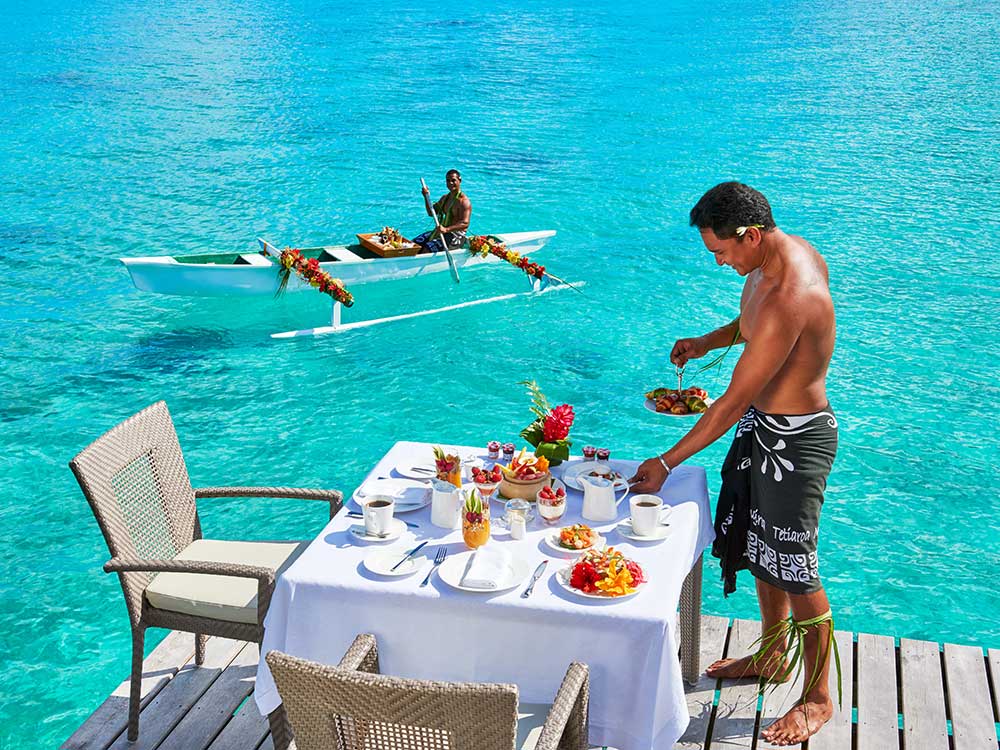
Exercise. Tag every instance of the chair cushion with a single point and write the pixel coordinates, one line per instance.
(220, 597)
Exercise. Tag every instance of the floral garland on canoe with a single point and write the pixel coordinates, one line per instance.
(481, 244)
(309, 271)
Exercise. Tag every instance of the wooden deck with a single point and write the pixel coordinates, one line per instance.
(916, 695)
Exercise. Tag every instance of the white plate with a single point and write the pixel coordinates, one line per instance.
(395, 531)
(554, 483)
(563, 576)
(409, 494)
(573, 472)
(452, 569)
(552, 541)
(380, 563)
(625, 529)
(651, 405)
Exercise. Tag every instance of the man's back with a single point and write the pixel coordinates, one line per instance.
(799, 292)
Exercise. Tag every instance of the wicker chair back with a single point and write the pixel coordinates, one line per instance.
(333, 707)
(137, 485)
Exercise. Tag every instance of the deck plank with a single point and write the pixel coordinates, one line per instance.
(776, 703)
(736, 714)
(836, 735)
(969, 698)
(267, 744)
(878, 718)
(247, 729)
(111, 718)
(217, 705)
(701, 695)
(170, 705)
(925, 726)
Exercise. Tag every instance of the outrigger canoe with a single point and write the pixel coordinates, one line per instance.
(256, 274)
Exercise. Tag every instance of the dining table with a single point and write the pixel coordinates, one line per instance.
(632, 645)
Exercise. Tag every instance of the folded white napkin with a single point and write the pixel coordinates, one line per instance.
(487, 568)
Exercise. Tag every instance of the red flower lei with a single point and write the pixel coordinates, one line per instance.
(485, 245)
(309, 271)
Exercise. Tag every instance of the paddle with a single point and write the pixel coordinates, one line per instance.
(444, 241)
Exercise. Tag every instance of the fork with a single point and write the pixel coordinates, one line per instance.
(442, 553)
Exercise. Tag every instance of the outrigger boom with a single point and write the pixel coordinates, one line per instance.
(337, 327)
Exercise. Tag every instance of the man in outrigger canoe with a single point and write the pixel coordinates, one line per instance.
(453, 209)
(773, 478)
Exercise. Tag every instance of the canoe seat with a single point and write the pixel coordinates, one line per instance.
(338, 253)
(251, 259)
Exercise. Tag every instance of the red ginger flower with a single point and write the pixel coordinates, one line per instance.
(557, 423)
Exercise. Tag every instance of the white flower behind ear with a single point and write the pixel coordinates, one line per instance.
(740, 231)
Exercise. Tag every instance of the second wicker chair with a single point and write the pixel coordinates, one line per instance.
(353, 707)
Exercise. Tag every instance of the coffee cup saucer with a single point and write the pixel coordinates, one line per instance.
(625, 529)
(396, 529)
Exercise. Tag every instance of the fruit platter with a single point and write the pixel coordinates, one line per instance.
(524, 476)
(678, 403)
(574, 539)
(388, 243)
(603, 574)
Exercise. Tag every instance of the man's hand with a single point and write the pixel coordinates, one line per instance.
(649, 477)
(426, 191)
(686, 349)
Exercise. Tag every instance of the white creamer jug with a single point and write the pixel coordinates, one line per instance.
(599, 503)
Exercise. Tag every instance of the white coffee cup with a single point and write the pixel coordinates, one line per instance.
(378, 514)
(646, 510)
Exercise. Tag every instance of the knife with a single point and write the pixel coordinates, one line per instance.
(534, 578)
(355, 514)
(408, 555)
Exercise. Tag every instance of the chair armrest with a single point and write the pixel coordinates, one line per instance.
(264, 576)
(565, 727)
(122, 565)
(362, 655)
(334, 497)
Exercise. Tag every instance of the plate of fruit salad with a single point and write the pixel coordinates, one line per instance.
(574, 539)
(602, 574)
(672, 402)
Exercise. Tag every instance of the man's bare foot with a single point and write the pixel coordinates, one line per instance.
(733, 669)
(801, 722)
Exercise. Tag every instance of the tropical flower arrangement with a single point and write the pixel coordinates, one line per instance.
(309, 271)
(549, 433)
(484, 245)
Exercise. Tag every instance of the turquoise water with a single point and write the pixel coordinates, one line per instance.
(136, 129)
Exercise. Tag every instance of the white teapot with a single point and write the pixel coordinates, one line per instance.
(599, 503)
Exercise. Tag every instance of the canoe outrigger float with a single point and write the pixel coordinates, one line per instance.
(256, 274)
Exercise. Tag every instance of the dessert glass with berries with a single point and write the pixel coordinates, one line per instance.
(475, 520)
(551, 504)
(487, 481)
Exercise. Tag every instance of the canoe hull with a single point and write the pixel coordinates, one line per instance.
(165, 275)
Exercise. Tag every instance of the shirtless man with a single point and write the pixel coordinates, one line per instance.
(453, 209)
(774, 476)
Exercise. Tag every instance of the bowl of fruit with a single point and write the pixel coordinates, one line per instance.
(525, 476)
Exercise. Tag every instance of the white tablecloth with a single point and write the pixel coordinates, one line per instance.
(637, 698)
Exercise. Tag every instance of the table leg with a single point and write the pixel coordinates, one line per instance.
(690, 622)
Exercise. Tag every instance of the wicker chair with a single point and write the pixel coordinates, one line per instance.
(137, 485)
(353, 707)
